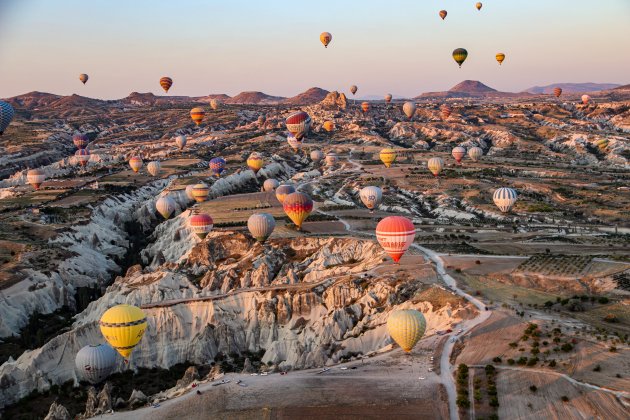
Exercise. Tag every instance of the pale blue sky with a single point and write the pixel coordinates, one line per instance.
(221, 46)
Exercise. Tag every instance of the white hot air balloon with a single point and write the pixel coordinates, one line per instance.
(331, 159)
(504, 198)
(165, 206)
(261, 226)
(409, 108)
(475, 153)
(95, 363)
(458, 153)
(270, 184)
(317, 155)
(154, 168)
(371, 196)
(180, 141)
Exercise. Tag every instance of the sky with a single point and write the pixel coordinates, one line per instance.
(228, 46)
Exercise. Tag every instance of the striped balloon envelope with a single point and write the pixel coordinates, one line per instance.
(395, 234)
(298, 124)
(475, 153)
(80, 141)
(435, 165)
(255, 162)
(331, 158)
(443, 14)
(460, 55)
(165, 206)
(200, 192)
(504, 198)
(36, 178)
(166, 83)
(95, 363)
(270, 184)
(446, 111)
(217, 166)
(201, 224)
(388, 156)
(197, 115)
(135, 163)
(406, 327)
(82, 156)
(365, 107)
(458, 153)
(6, 116)
(123, 327)
(371, 196)
(297, 206)
(283, 190)
(557, 92)
(154, 168)
(261, 226)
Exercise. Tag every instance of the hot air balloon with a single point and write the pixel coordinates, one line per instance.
(504, 198)
(197, 115)
(435, 165)
(283, 190)
(201, 224)
(200, 192)
(459, 55)
(123, 327)
(166, 83)
(255, 162)
(602, 144)
(317, 155)
(458, 153)
(395, 234)
(80, 141)
(135, 163)
(557, 91)
(446, 111)
(165, 206)
(297, 206)
(388, 156)
(261, 120)
(189, 192)
(353, 89)
(500, 57)
(586, 99)
(409, 108)
(261, 226)
(371, 196)
(83, 78)
(36, 178)
(329, 126)
(217, 166)
(214, 104)
(475, 153)
(6, 116)
(325, 38)
(180, 141)
(331, 159)
(270, 185)
(365, 107)
(294, 143)
(478, 6)
(298, 124)
(406, 327)
(95, 363)
(154, 168)
(82, 156)
(443, 14)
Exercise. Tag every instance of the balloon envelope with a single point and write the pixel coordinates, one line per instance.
(80, 141)
(500, 57)
(329, 126)
(459, 55)
(165, 206)
(83, 78)
(283, 190)
(82, 156)
(154, 167)
(446, 111)
(297, 206)
(395, 234)
(388, 98)
(6, 115)
(200, 192)
(135, 163)
(557, 91)
(298, 124)
(95, 363)
(123, 327)
(458, 153)
(201, 224)
(365, 107)
(217, 166)
(409, 108)
(270, 184)
(261, 226)
(317, 155)
(36, 178)
(325, 38)
(504, 198)
(180, 141)
(443, 14)
(435, 165)
(353, 89)
(475, 153)
(166, 83)
(255, 162)
(406, 327)
(388, 156)
(331, 158)
(371, 196)
(197, 115)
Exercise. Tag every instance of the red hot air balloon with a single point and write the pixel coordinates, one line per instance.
(201, 224)
(166, 83)
(395, 234)
(297, 206)
(298, 124)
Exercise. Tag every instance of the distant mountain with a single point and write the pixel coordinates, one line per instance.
(253, 98)
(471, 86)
(470, 89)
(222, 97)
(572, 88)
(78, 101)
(312, 96)
(33, 100)
(624, 87)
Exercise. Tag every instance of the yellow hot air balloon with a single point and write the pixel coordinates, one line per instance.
(329, 126)
(197, 115)
(435, 165)
(459, 55)
(135, 163)
(388, 156)
(255, 162)
(500, 58)
(325, 37)
(123, 327)
(478, 5)
(406, 327)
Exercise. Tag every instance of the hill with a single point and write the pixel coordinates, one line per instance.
(572, 87)
(32, 100)
(469, 89)
(253, 98)
(471, 86)
(311, 96)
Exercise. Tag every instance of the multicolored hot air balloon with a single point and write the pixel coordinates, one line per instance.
(435, 165)
(283, 190)
(409, 108)
(478, 5)
(602, 144)
(504, 198)
(197, 115)
(475, 153)
(294, 143)
(443, 14)
(261, 226)
(189, 192)
(123, 327)
(166, 83)
(298, 124)
(201, 224)
(214, 104)
(500, 57)
(200, 192)
(459, 55)
(458, 153)
(270, 184)
(135, 163)
(154, 168)
(395, 234)
(165, 206)
(180, 141)
(586, 99)
(388, 98)
(406, 327)
(317, 155)
(365, 107)
(325, 38)
(261, 120)
(557, 91)
(353, 89)
(371, 196)
(80, 141)
(83, 78)
(35, 177)
(255, 162)
(388, 156)
(297, 206)
(217, 166)
(446, 111)
(329, 126)
(331, 159)
(82, 156)
(95, 363)
(6, 115)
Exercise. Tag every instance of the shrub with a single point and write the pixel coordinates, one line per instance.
(497, 359)
(603, 300)
(566, 347)
(597, 368)
(552, 363)
(510, 361)
(494, 402)
(477, 262)
(612, 349)
(564, 398)
(533, 388)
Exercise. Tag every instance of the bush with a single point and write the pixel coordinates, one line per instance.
(477, 262)
(566, 347)
(612, 349)
(564, 398)
(597, 368)
(510, 361)
(603, 300)
(533, 388)
(552, 363)
(497, 359)
(494, 402)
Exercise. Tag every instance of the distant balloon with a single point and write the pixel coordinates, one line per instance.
(197, 115)
(36, 178)
(283, 190)
(165, 205)
(409, 108)
(371, 196)
(443, 14)
(298, 124)
(154, 168)
(123, 327)
(479, 6)
(261, 120)
(557, 91)
(331, 159)
(135, 163)
(353, 89)
(475, 153)
(294, 143)
(388, 156)
(82, 156)
(586, 99)
(297, 206)
(329, 126)
(255, 162)
(446, 111)
(435, 165)
(395, 234)
(217, 166)
(200, 192)
(270, 184)
(458, 153)
(365, 107)
(261, 226)
(459, 55)
(215, 104)
(388, 98)
(6, 116)
(180, 141)
(317, 155)
(95, 363)
(166, 83)
(325, 38)
(83, 78)
(80, 141)
(504, 198)
(189, 192)
(602, 144)
(406, 327)
(201, 224)
(500, 57)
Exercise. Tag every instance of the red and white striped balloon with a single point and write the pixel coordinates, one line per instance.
(395, 234)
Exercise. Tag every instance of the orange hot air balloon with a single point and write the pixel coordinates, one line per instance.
(446, 111)
(83, 78)
(166, 83)
(557, 91)
(365, 107)
(135, 163)
(325, 38)
(500, 57)
(479, 6)
(443, 14)
(201, 224)
(200, 192)
(395, 234)
(329, 126)
(255, 162)
(297, 206)
(197, 115)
